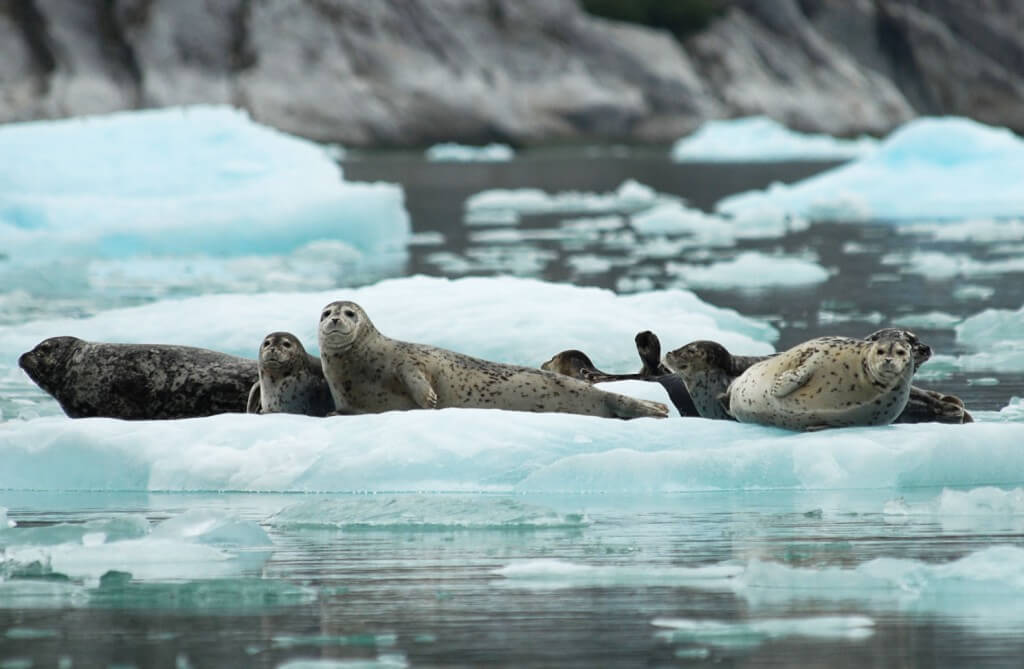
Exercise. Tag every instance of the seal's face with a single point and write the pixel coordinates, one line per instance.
(46, 363)
(921, 351)
(570, 363)
(889, 359)
(697, 356)
(341, 323)
(280, 351)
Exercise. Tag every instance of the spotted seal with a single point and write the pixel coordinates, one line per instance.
(139, 381)
(290, 380)
(369, 373)
(577, 364)
(707, 369)
(825, 382)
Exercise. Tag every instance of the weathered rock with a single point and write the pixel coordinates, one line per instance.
(407, 72)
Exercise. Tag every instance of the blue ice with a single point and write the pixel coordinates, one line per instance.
(760, 139)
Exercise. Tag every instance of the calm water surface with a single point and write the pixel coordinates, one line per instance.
(403, 596)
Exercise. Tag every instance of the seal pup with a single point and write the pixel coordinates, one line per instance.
(825, 382)
(139, 381)
(290, 380)
(370, 373)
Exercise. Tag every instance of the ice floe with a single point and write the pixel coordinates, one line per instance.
(930, 169)
(522, 321)
(629, 196)
(746, 634)
(751, 270)
(760, 139)
(198, 182)
(464, 153)
(475, 450)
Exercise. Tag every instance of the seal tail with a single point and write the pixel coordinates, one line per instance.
(623, 406)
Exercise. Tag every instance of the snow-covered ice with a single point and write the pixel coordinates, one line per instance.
(464, 153)
(463, 315)
(930, 169)
(629, 196)
(760, 139)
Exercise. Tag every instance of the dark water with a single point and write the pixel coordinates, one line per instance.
(400, 596)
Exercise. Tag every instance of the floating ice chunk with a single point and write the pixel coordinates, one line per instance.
(212, 527)
(5, 522)
(383, 661)
(966, 292)
(759, 138)
(752, 633)
(974, 230)
(95, 531)
(491, 216)
(555, 574)
(992, 327)
(201, 180)
(675, 218)
(1012, 412)
(932, 320)
(630, 196)
(751, 270)
(929, 169)
(937, 265)
(987, 508)
(532, 321)
(464, 153)
(404, 512)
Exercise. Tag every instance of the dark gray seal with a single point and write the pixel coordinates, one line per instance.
(290, 380)
(139, 381)
(826, 382)
(370, 373)
(577, 364)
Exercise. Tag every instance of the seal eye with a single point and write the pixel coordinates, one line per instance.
(901, 352)
(286, 344)
(350, 314)
(266, 343)
(325, 314)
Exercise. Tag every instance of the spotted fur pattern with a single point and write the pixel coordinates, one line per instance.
(139, 381)
(369, 373)
(826, 382)
(291, 380)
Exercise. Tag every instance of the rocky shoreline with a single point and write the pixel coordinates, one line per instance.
(415, 72)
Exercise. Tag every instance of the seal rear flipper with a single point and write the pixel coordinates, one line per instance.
(253, 405)
(724, 401)
(418, 386)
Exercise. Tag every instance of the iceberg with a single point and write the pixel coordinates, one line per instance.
(196, 182)
(628, 197)
(453, 152)
(930, 169)
(760, 139)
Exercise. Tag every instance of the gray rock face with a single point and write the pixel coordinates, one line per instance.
(407, 72)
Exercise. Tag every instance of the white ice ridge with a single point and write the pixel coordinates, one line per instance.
(477, 450)
(520, 321)
(751, 633)
(932, 169)
(760, 139)
(194, 180)
(452, 152)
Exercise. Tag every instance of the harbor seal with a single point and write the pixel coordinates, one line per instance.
(370, 373)
(139, 381)
(290, 380)
(825, 382)
(577, 364)
(707, 369)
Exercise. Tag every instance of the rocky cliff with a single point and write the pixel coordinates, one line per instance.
(412, 72)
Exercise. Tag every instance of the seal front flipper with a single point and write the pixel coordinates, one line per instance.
(789, 382)
(418, 386)
(253, 405)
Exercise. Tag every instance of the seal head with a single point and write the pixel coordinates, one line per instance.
(47, 363)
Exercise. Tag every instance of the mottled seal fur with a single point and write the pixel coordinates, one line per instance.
(369, 373)
(290, 380)
(577, 364)
(139, 381)
(825, 382)
(707, 369)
